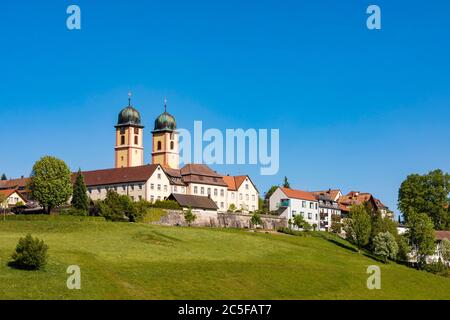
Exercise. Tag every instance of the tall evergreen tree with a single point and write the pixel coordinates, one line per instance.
(286, 183)
(3, 177)
(80, 199)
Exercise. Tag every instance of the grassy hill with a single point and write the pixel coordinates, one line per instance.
(138, 261)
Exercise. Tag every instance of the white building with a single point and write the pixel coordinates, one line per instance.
(291, 202)
(328, 207)
(241, 193)
(12, 197)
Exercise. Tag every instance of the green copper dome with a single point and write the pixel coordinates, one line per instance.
(165, 122)
(129, 116)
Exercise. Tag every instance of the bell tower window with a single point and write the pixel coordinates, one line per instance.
(171, 145)
(159, 145)
(136, 140)
(122, 139)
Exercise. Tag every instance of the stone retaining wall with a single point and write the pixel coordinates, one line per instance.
(220, 220)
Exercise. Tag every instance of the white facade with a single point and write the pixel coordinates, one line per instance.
(304, 206)
(218, 193)
(12, 200)
(245, 198)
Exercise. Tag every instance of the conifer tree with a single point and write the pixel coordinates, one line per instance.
(80, 199)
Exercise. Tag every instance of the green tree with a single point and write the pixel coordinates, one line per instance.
(381, 225)
(231, 207)
(336, 224)
(286, 183)
(117, 207)
(3, 177)
(51, 183)
(385, 246)
(301, 223)
(358, 226)
(403, 248)
(189, 216)
(267, 196)
(445, 250)
(256, 220)
(30, 254)
(426, 193)
(80, 199)
(421, 236)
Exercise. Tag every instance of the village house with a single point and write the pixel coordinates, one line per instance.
(289, 203)
(12, 198)
(328, 207)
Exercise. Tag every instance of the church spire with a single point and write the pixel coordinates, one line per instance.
(165, 104)
(129, 98)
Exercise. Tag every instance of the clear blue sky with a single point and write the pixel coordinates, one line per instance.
(356, 109)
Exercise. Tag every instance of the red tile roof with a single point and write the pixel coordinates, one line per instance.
(117, 175)
(9, 192)
(332, 193)
(299, 194)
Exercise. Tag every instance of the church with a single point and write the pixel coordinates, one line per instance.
(163, 178)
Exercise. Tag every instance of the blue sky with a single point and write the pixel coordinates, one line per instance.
(357, 109)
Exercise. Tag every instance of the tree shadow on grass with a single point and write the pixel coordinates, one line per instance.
(342, 245)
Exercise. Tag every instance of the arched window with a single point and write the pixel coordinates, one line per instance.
(159, 145)
(171, 145)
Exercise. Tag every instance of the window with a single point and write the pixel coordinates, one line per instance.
(317, 216)
(202, 190)
(158, 198)
(122, 139)
(309, 215)
(152, 186)
(294, 212)
(152, 198)
(222, 193)
(246, 197)
(311, 205)
(136, 130)
(165, 188)
(159, 145)
(132, 187)
(158, 187)
(246, 186)
(316, 205)
(221, 204)
(195, 190)
(124, 187)
(171, 145)
(303, 204)
(215, 192)
(140, 187)
(174, 188)
(122, 130)
(159, 176)
(208, 191)
(232, 195)
(253, 197)
(253, 208)
(136, 140)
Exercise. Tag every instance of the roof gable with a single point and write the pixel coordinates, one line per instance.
(299, 194)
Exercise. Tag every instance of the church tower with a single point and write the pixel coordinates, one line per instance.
(165, 141)
(129, 149)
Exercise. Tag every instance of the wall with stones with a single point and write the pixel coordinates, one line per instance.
(220, 220)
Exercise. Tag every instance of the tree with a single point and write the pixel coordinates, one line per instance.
(358, 226)
(286, 183)
(421, 236)
(256, 220)
(381, 225)
(3, 205)
(232, 207)
(445, 250)
(30, 254)
(189, 216)
(300, 223)
(267, 196)
(3, 178)
(80, 199)
(426, 193)
(51, 183)
(385, 246)
(117, 207)
(336, 224)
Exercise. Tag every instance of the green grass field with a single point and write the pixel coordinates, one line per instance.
(139, 261)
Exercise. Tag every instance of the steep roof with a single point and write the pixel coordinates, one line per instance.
(201, 173)
(331, 193)
(8, 192)
(195, 202)
(355, 198)
(117, 175)
(299, 194)
(14, 183)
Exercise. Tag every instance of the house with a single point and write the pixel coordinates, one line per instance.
(356, 198)
(440, 236)
(290, 202)
(241, 193)
(12, 197)
(196, 203)
(21, 185)
(328, 207)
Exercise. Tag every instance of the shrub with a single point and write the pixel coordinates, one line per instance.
(403, 248)
(437, 267)
(166, 204)
(256, 219)
(385, 246)
(117, 207)
(336, 224)
(189, 216)
(30, 254)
